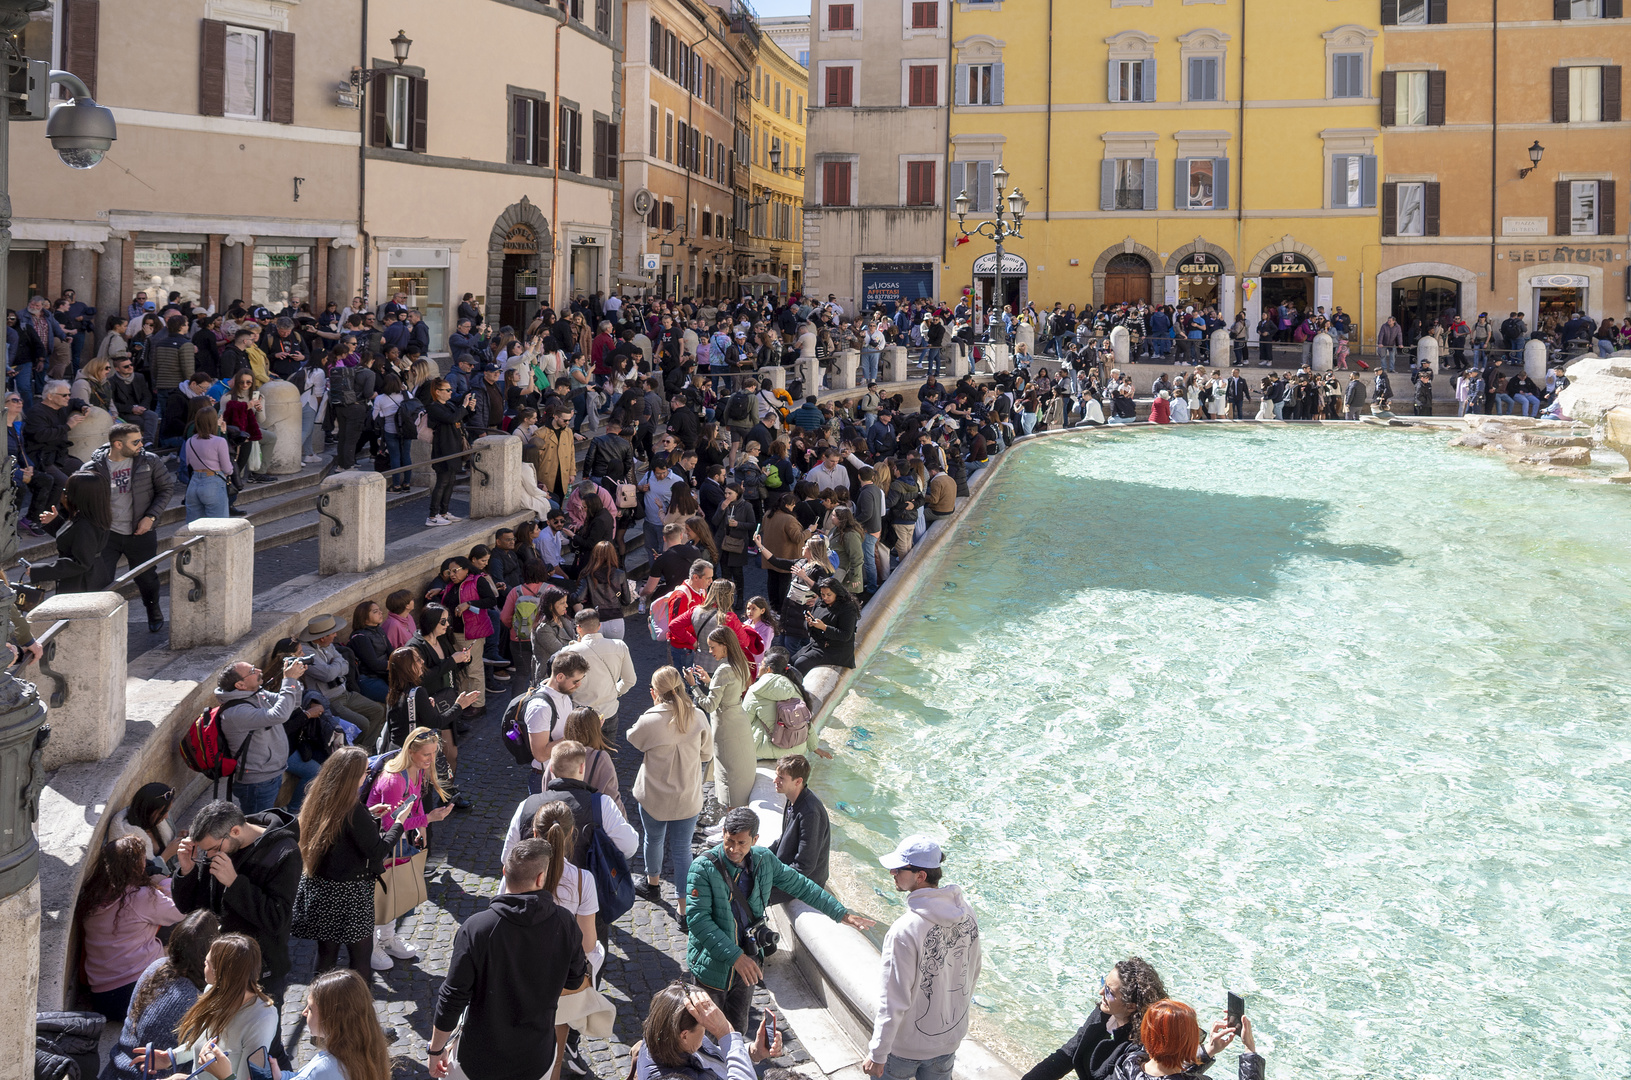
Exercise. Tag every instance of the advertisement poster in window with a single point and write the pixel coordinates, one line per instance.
(1200, 184)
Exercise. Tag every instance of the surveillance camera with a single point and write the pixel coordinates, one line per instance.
(81, 131)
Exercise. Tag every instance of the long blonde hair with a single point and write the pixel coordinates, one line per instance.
(721, 596)
(671, 691)
(329, 803)
(554, 822)
(404, 758)
(351, 1032)
(817, 551)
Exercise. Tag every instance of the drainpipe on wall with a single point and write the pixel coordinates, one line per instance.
(362, 164)
(1240, 203)
(1047, 137)
(1494, 135)
(951, 103)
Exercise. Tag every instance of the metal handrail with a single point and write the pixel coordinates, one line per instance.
(183, 556)
(48, 646)
(338, 528)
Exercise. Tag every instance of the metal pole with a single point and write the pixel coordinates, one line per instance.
(1002, 303)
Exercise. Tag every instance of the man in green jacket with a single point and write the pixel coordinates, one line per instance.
(729, 888)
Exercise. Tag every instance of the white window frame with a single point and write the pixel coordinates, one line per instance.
(1578, 189)
(1417, 16)
(908, 31)
(820, 164)
(823, 34)
(1595, 9)
(398, 112)
(1132, 46)
(940, 178)
(259, 37)
(980, 88)
(978, 51)
(1585, 94)
(906, 67)
(1404, 193)
(1351, 39)
(1207, 166)
(1345, 141)
(1409, 89)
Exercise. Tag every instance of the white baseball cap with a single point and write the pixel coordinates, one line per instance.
(918, 852)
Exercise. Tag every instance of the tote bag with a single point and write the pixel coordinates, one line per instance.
(401, 888)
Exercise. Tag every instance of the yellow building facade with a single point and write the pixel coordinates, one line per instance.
(775, 242)
(1210, 153)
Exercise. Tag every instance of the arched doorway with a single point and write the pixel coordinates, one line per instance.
(1127, 279)
(1419, 302)
(520, 265)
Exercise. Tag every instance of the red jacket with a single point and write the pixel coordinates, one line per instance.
(681, 634)
(1160, 411)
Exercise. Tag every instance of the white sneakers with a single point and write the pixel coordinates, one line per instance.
(441, 519)
(387, 945)
(311, 459)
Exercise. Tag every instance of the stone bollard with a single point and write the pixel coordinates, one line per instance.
(892, 365)
(499, 456)
(848, 369)
(810, 373)
(1534, 361)
(643, 343)
(90, 656)
(1025, 335)
(959, 360)
(1219, 347)
(225, 563)
(1324, 350)
(358, 500)
(998, 358)
(90, 434)
(1121, 345)
(423, 475)
(1427, 352)
(774, 377)
(280, 414)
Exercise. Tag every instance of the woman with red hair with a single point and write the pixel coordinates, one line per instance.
(1171, 1038)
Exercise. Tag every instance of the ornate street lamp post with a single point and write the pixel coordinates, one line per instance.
(1000, 228)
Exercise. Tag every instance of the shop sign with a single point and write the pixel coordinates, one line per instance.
(1525, 226)
(1561, 254)
(522, 239)
(1012, 265)
(587, 241)
(1200, 263)
(1288, 263)
(1560, 281)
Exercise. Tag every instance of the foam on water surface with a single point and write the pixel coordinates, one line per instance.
(1333, 718)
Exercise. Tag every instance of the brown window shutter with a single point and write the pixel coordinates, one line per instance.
(1611, 93)
(540, 146)
(1390, 12)
(1390, 209)
(1613, 9)
(418, 108)
(1390, 97)
(280, 77)
(1560, 9)
(1429, 200)
(1605, 208)
(519, 141)
(1560, 95)
(1438, 11)
(600, 150)
(1564, 208)
(81, 21)
(613, 152)
(1435, 98)
(212, 69)
(379, 89)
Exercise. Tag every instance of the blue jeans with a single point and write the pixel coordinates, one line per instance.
(900, 1068)
(24, 384)
(869, 562)
(399, 448)
(1604, 347)
(1528, 404)
(653, 839)
(931, 359)
(207, 497)
(1387, 356)
(372, 688)
(253, 798)
(1503, 403)
(305, 772)
(308, 420)
(869, 365)
(654, 536)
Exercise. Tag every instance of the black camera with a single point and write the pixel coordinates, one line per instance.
(764, 938)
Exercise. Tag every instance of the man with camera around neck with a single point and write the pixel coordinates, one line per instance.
(728, 889)
(252, 719)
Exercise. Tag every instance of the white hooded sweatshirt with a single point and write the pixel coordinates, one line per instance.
(931, 958)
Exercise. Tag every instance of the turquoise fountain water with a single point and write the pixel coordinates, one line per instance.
(1336, 719)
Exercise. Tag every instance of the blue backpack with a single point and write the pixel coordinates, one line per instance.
(610, 870)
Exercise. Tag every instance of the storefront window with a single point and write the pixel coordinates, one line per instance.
(586, 270)
(282, 277)
(427, 293)
(162, 269)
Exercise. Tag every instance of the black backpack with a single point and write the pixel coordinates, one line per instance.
(514, 728)
(739, 408)
(342, 386)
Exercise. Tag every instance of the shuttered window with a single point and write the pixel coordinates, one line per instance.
(841, 17)
(923, 85)
(1585, 94)
(81, 21)
(1410, 209)
(1348, 75)
(1353, 180)
(920, 183)
(398, 110)
(835, 181)
(529, 130)
(925, 14)
(603, 16)
(840, 87)
(1585, 208)
(569, 149)
(243, 73)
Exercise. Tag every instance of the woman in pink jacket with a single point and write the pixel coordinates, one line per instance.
(120, 913)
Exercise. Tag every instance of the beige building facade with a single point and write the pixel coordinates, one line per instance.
(235, 172)
(684, 77)
(874, 185)
(490, 170)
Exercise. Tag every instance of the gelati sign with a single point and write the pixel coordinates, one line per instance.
(1012, 265)
(1200, 263)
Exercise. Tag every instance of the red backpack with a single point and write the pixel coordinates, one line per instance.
(204, 749)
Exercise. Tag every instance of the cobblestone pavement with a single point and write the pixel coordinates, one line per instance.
(646, 950)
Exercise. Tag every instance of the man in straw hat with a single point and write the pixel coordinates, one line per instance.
(328, 674)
